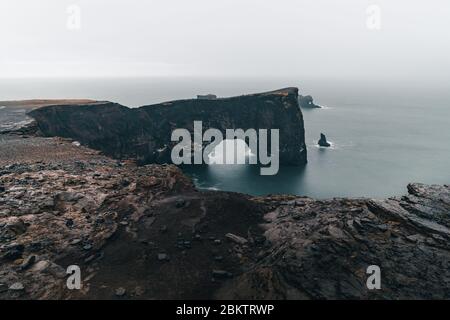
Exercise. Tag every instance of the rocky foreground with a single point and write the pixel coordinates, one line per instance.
(13, 114)
(145, 232)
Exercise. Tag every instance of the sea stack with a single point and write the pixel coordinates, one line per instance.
(323, 141)
(307, 102)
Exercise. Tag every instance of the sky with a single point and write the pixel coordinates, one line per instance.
(400, 39)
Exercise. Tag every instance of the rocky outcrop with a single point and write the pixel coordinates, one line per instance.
(307, 102)
(135, 232)
(322, 249)
(144, 133)
(323, 141)
(145, 232)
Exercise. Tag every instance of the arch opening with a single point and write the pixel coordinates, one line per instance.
(231, 151)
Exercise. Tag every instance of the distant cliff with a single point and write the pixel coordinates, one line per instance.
(144, 133)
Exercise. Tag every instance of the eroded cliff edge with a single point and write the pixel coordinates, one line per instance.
(145, 133)
(141, 232)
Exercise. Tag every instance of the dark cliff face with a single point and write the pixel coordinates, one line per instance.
(145, 133)
(147, 231)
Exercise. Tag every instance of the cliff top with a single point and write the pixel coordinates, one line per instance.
(279, 92)
(38, 103)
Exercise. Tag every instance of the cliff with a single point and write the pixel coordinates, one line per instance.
(144, 133)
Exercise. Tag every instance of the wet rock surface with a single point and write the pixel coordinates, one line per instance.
(145, 232)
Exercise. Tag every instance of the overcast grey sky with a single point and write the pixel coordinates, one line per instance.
(326, 38)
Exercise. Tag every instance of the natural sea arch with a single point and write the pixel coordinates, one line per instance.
(231, 151)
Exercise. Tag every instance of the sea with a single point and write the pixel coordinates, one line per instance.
(384, 133)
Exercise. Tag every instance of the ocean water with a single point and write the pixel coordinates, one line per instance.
(384, 134)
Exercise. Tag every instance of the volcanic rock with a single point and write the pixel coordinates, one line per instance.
(144, 133)
(17, 286)
(323, 141)
(28, 262)
(307, 102)
(120, 292)
(297, 247)
(235, 238)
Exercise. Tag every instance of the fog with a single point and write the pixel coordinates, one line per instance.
(386, 39)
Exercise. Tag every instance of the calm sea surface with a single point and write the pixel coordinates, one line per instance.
(384, 135)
